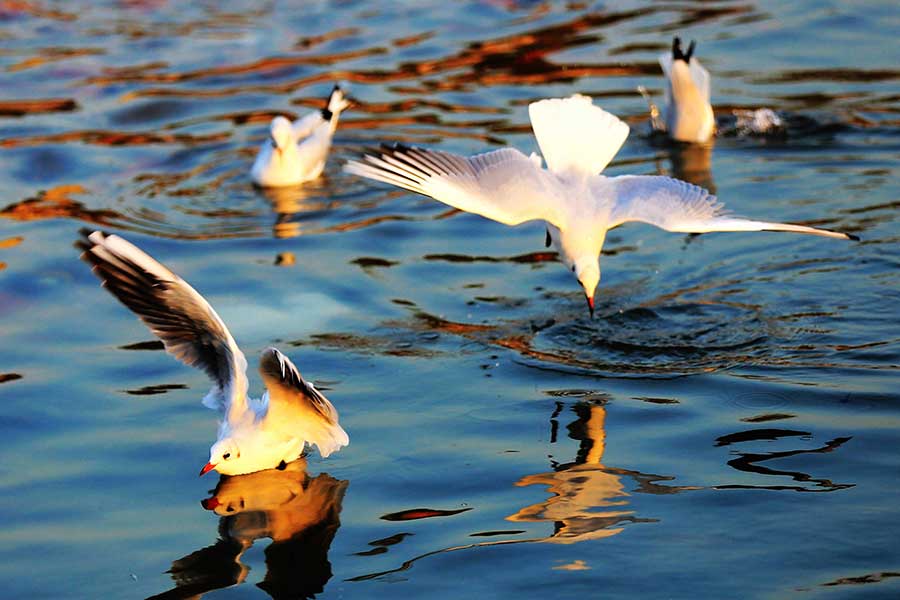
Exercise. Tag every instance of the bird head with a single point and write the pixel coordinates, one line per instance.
(587, 271)
(280, 134)
(222, 452)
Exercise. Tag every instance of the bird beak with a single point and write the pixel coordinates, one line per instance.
(590, 301)
(278, 150)
(210, 503)
(206, 469)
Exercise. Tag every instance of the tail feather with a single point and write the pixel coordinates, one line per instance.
(336, 103)
(576, 137)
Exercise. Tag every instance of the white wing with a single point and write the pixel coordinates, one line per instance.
(676, 205)
(304, 127)
(296, 407)
(503, 185)
(185, 322)
(576, 137)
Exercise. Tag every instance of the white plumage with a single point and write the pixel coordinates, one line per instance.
(254, 434)
(688, 115)
(296, 152)
(578, 204)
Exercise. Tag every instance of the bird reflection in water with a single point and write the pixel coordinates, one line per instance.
(299, 513)
(290, 201)
(589, 499)
(692, 163)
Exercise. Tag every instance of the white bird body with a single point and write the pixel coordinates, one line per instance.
(295, 153)
(578, 204)
(254, 434)
(688, 115)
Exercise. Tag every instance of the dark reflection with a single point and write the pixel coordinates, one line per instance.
(692, 163)
(299, 513)
(750, 463)
(589, 500)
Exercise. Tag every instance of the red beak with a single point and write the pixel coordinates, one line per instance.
(210, 503)
(206, 469)
(590, 301)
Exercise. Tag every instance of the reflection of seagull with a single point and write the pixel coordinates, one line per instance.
(254, 434)
(580, 490)
(299, 513)
(296, 152)
(578, 140)
(688, 114)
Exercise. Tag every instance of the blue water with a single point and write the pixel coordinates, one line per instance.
(726, 427)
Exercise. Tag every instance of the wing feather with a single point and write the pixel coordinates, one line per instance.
(502, 185)
(185, 322)
(678, 206)
(296, 407)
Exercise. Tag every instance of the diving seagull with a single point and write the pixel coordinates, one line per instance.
(578, 204)
(688, 115)
(253, 434)
(296, 152)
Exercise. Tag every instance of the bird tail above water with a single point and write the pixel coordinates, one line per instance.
(576, 137)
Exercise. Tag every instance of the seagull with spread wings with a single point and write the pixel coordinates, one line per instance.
(253, 434)
(578, 204)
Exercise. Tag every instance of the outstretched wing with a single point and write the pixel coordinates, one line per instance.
(188, 326)
(503, 185)
(676, 205)
(576, 137)
(296, 407)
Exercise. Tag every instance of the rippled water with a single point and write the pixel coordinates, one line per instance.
(726, 427)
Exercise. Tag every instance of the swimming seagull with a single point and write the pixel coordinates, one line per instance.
(577, 139)
(253, 434)
(296, 152)
(688, 115)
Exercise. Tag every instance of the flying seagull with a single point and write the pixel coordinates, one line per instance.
(578, 204)
(296, 152)
(253, 434)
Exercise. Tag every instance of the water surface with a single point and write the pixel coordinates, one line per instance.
(726, 427)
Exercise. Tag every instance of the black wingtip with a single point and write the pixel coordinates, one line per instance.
(852, 237)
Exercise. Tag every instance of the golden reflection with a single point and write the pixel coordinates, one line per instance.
(588, 500)
(299, 513)
(289, 201)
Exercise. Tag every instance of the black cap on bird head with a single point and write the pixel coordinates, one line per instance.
(679, 54)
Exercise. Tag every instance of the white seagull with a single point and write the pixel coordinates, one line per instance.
(578, 204)
(688, 115)
(296, 152)
(253, 434)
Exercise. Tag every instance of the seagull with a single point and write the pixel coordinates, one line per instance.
(688, 115)
(578, 204)
(253, 434)
(296, 152)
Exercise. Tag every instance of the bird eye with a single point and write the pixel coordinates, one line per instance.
(273, 143)
(573, 268)
(227, 455)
